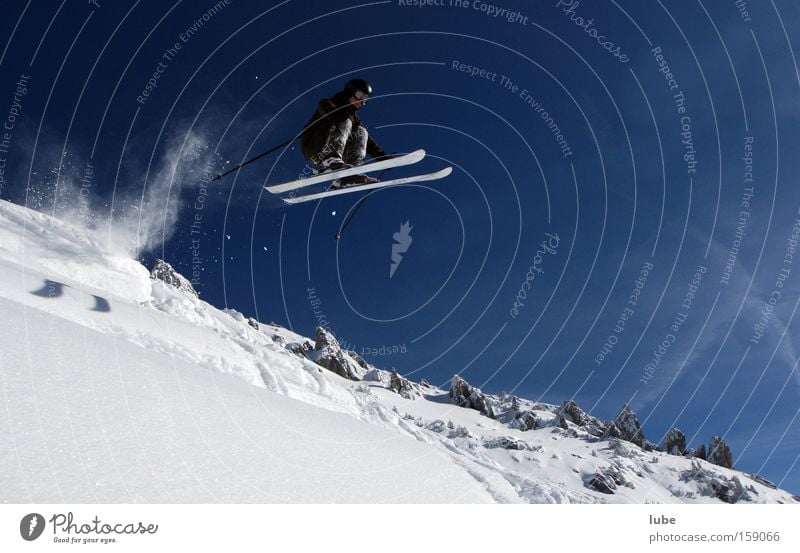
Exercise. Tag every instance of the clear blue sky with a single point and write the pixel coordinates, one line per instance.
(655, 140)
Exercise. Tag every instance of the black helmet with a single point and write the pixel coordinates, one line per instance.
(359, 88)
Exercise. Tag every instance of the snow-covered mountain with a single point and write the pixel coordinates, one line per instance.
(122, 386)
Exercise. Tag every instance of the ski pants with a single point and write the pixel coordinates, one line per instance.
(345, 142)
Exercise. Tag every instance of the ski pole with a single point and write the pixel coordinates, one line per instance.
(259, 156)
(353, 213)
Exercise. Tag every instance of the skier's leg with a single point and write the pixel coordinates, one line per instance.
(334, 148)
(354, 153)
(356, 147)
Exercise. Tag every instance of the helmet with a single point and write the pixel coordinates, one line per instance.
(359, 88)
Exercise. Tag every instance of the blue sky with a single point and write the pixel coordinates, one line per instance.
(652, 149)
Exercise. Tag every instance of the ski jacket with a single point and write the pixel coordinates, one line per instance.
(330, 111)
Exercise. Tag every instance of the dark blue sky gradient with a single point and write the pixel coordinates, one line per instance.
(618, 191)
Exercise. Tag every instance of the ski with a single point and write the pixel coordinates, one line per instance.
(357, 188)
(399, 161)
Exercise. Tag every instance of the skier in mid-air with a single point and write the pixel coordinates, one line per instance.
(335, 138)
(336, 143)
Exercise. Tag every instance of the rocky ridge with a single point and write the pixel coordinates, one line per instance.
(623, 434)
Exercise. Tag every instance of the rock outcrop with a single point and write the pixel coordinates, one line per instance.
(607, 480)
(164, 272)
(465, 395)
(360, 360)
(403, 386)
(700, 452)
(506, 442)
(626, 427)
(527, 420)
(328, 354)
(719, 453)
(569, 412)
(729, 490)
(675, 442)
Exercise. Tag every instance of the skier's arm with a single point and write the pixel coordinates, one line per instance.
(328, 110)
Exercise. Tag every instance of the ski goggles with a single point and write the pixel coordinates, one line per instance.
(360, 95)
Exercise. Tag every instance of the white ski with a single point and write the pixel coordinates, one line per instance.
(359, 187)
(399, 161)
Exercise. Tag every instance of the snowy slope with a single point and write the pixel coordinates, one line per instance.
(119, 388)
(153, 400)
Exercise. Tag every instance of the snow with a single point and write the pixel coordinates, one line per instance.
(119, 388)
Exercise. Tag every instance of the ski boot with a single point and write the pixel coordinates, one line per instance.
(331, 164)
(352, 180)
